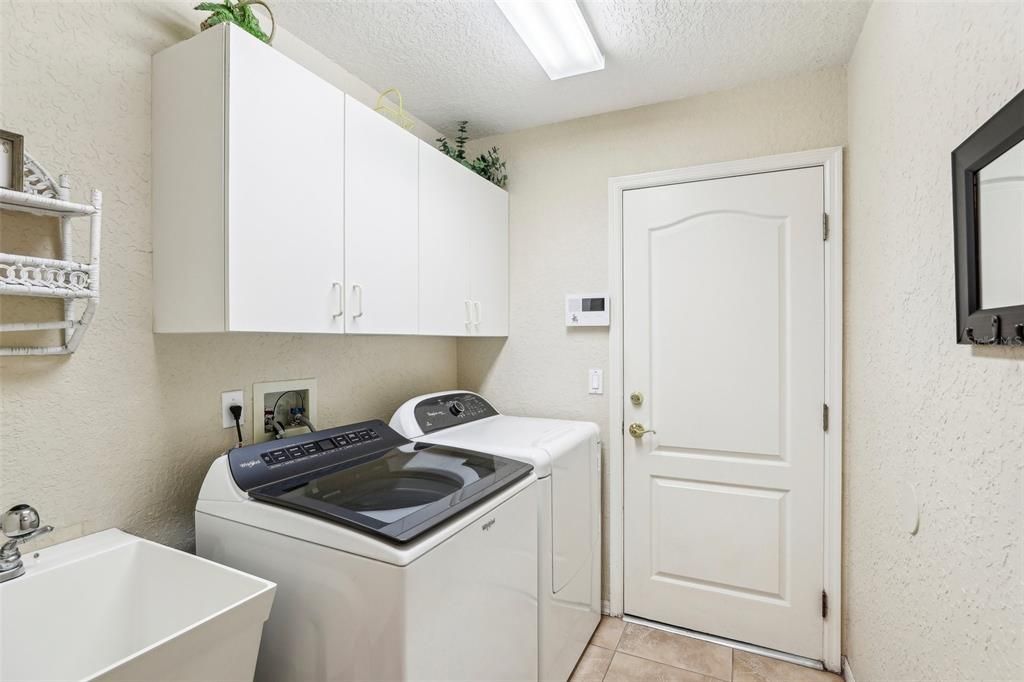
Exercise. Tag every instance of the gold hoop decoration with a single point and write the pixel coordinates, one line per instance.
(388, 109)
(270, 13)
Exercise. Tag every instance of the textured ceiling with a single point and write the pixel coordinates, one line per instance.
(460, 59)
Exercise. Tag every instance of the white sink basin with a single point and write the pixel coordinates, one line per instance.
(111, 606)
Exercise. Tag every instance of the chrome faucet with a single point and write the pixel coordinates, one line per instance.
(20, 523)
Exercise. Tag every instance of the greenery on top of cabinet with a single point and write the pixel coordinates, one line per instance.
(488, 165)
(239, 13)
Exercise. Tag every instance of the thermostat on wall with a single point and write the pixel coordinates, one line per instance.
(586, 310)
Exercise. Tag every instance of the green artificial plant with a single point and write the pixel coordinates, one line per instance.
(234, 11)
(488, 165)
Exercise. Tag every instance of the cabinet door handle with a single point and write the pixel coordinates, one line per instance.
(476, 310)
(357, 289)
(468, 313)
(340, 310)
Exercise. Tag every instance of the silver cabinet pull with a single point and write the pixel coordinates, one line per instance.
(357, 289)
(341, 297)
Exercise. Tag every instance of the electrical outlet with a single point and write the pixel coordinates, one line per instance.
(227, 399)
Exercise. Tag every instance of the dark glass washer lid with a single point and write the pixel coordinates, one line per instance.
(398, 491)
(400, 494)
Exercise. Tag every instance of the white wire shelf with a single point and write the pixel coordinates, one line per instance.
(63, 278)
(46, 277)
(26, 202)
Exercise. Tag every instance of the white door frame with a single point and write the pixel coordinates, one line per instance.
(831, 160)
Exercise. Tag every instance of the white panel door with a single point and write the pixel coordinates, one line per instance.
(445, 245)
(723, 316)
(488, 205)
(285, 193)
(381, 224)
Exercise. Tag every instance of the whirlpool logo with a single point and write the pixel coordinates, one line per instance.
(487, 526)
(250, 463)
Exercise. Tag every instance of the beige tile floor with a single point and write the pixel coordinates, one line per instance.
(626, 652)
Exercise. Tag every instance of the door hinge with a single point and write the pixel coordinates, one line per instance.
(824, 417)
(824, 604)
(824, 227)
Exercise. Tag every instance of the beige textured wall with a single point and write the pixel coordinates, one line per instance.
(121, 433)
(947, 603)
(559, 222)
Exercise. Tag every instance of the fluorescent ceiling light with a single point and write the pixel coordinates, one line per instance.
(557, 35)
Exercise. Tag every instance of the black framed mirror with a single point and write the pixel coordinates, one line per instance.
(988, 218)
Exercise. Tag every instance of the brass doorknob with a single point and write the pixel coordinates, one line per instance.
(637, 430)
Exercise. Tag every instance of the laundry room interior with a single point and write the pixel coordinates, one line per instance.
(592, 340)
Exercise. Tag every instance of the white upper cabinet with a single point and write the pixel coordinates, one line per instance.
(381, 224)
(281, 205)
(463, 250)
(248, 169)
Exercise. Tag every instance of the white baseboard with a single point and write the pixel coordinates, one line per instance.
(847, 673)
(606, 607)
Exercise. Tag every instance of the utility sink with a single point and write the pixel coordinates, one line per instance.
(111, 606)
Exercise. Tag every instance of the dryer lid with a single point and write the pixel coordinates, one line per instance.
(476, 425)
(522, 438)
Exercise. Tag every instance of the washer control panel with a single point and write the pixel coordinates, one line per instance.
(451, 409)
(263, 463)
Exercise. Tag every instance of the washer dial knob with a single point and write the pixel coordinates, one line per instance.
(456, 408)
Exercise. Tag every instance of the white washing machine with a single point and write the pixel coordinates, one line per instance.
(566, 457)
(392, 562)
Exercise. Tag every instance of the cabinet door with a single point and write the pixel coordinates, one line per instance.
(381, 224)
(285, 193)
(488, 265)
(445, 249)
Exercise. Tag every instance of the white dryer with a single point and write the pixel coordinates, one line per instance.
(566, 457)
(392, 562)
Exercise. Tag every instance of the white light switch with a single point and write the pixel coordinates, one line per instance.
(596, 384)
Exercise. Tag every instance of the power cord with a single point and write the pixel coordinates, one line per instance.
(296, 414)
(236, 412)
(302, 403)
